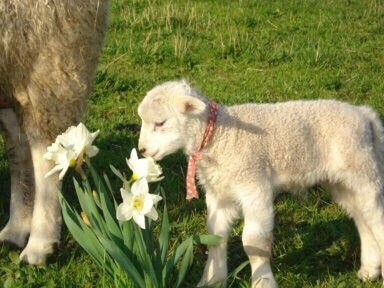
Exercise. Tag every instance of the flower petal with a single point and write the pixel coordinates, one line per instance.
(142, 167)
(156, 198)
(139, 219)
(133, 156)
(94, 134)
(126, 195)
(123, 212)
(53, 170)
(62, 173)
(147, 205)
(140, 187)
(152, 214)
(91, 150)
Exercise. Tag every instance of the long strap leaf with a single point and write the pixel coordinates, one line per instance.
(125, 263)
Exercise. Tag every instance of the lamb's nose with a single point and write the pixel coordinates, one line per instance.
(142, 150)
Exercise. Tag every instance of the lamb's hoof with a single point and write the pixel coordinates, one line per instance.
(367, 273)
(14, 236)
(37, 253)
(265, 282)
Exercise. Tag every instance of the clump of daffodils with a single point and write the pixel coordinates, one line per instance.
(138, 203)
(71, 149)
(74, 147)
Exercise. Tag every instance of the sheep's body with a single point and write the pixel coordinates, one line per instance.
(260, 149)
(48, 56)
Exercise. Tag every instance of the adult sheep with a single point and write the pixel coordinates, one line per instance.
(48, 55)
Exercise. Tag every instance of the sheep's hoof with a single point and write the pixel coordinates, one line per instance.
(367, 273)
(14, 235)
(37, 253)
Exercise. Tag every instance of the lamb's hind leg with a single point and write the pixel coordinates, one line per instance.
(18, 227)
(370, 204)
(370, 252)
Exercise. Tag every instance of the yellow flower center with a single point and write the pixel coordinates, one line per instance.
(138, 203)
(72, 162)
(134, 177)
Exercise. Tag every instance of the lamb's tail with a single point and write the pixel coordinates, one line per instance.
(377, 130)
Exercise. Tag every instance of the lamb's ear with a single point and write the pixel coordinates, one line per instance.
(190, 105)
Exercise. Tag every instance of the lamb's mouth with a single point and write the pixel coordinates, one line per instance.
(153, 156)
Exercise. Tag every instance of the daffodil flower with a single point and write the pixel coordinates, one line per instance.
(63, 158)
(144, 168)
(70, 150)
(80, 140)
(138, 203)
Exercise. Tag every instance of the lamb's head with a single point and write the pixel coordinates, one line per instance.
(170, 113)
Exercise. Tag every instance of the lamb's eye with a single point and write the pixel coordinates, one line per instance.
(159, 124)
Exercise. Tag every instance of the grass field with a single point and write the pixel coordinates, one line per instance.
(235, 52)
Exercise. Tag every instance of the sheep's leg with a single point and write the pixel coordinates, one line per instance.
(257, 205)
(46, 220)
(221, 215)
(369, 205)
(370, 251)
(18, 227)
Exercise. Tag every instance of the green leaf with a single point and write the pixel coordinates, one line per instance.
(84, 236)
(128, 233)
(173, 259)
(89, 207)
(185, 263)
(117, 173)
(237, 271)
(108, 208)
(208, 239)
(164, 235)
(145, 255)
(125, 263)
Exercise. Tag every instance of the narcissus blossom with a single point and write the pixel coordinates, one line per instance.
(79, 139)
(70, 149)
(138, 203)
(144, 168)
(63, 158)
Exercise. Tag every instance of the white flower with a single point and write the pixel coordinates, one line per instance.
(138, 203)
(144, 168)
(70, 149)
(63, 158)
(80, 139)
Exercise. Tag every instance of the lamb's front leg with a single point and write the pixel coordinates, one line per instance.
(46, 220)
(221, 215)
(257, 205)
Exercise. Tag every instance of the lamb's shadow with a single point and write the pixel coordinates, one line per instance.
(311, 251)
(324, 249)
(234, 122)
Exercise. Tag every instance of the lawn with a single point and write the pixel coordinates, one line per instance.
(235, 52)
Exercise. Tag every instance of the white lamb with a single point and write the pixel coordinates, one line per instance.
(258, 150)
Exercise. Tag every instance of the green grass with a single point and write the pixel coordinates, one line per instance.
(235, 52)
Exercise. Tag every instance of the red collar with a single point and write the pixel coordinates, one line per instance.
(195, 156)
